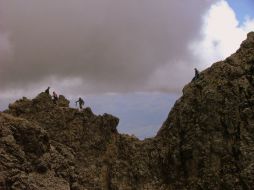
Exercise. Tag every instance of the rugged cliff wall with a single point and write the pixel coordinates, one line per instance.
(209, 132)
(207, 141)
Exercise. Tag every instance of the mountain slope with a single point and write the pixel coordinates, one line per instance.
(209, 132)
(207, 141)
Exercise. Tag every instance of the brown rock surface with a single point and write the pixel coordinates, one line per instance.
(207, 141)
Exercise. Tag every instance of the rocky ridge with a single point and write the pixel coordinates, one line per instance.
(207, 141)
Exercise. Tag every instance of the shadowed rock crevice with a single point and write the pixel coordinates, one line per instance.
(207, 141)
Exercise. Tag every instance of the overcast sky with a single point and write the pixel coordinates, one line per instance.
(103, 46)
(114, 48)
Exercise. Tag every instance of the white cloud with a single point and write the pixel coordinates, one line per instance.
(222, 34)
(94, 51)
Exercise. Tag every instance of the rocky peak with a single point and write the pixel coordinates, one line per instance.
(249, 42)
(209, 130)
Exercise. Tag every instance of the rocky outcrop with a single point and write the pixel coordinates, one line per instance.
(23, 149)
(78, 140)
(207, 141)
(209, 132)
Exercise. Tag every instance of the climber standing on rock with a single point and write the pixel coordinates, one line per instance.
(196, 75)
(81, 102)
(47, 90)
(55, 97)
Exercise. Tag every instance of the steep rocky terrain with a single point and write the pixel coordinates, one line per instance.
(207, 141)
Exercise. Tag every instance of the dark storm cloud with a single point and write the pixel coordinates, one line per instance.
(107, 45)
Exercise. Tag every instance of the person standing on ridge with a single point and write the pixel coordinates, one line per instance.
(196, 75)
(55, 97)
(81, 102)
(47, 90)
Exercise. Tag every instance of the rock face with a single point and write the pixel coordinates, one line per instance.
(209, 132)
(207, 141)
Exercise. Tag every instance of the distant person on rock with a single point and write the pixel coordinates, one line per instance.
(81, 102)
(55, 97)
(47, 90)
(196, 75)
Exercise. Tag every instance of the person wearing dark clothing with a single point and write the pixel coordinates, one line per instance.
(196, 75)
(47, 90)
(55, 97)
(81, 102)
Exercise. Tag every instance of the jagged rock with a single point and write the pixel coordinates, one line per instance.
(213, 126)
(22, 144)
(206, 142)
(63, 102)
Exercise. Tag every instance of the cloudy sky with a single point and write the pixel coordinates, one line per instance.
(129, 58)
